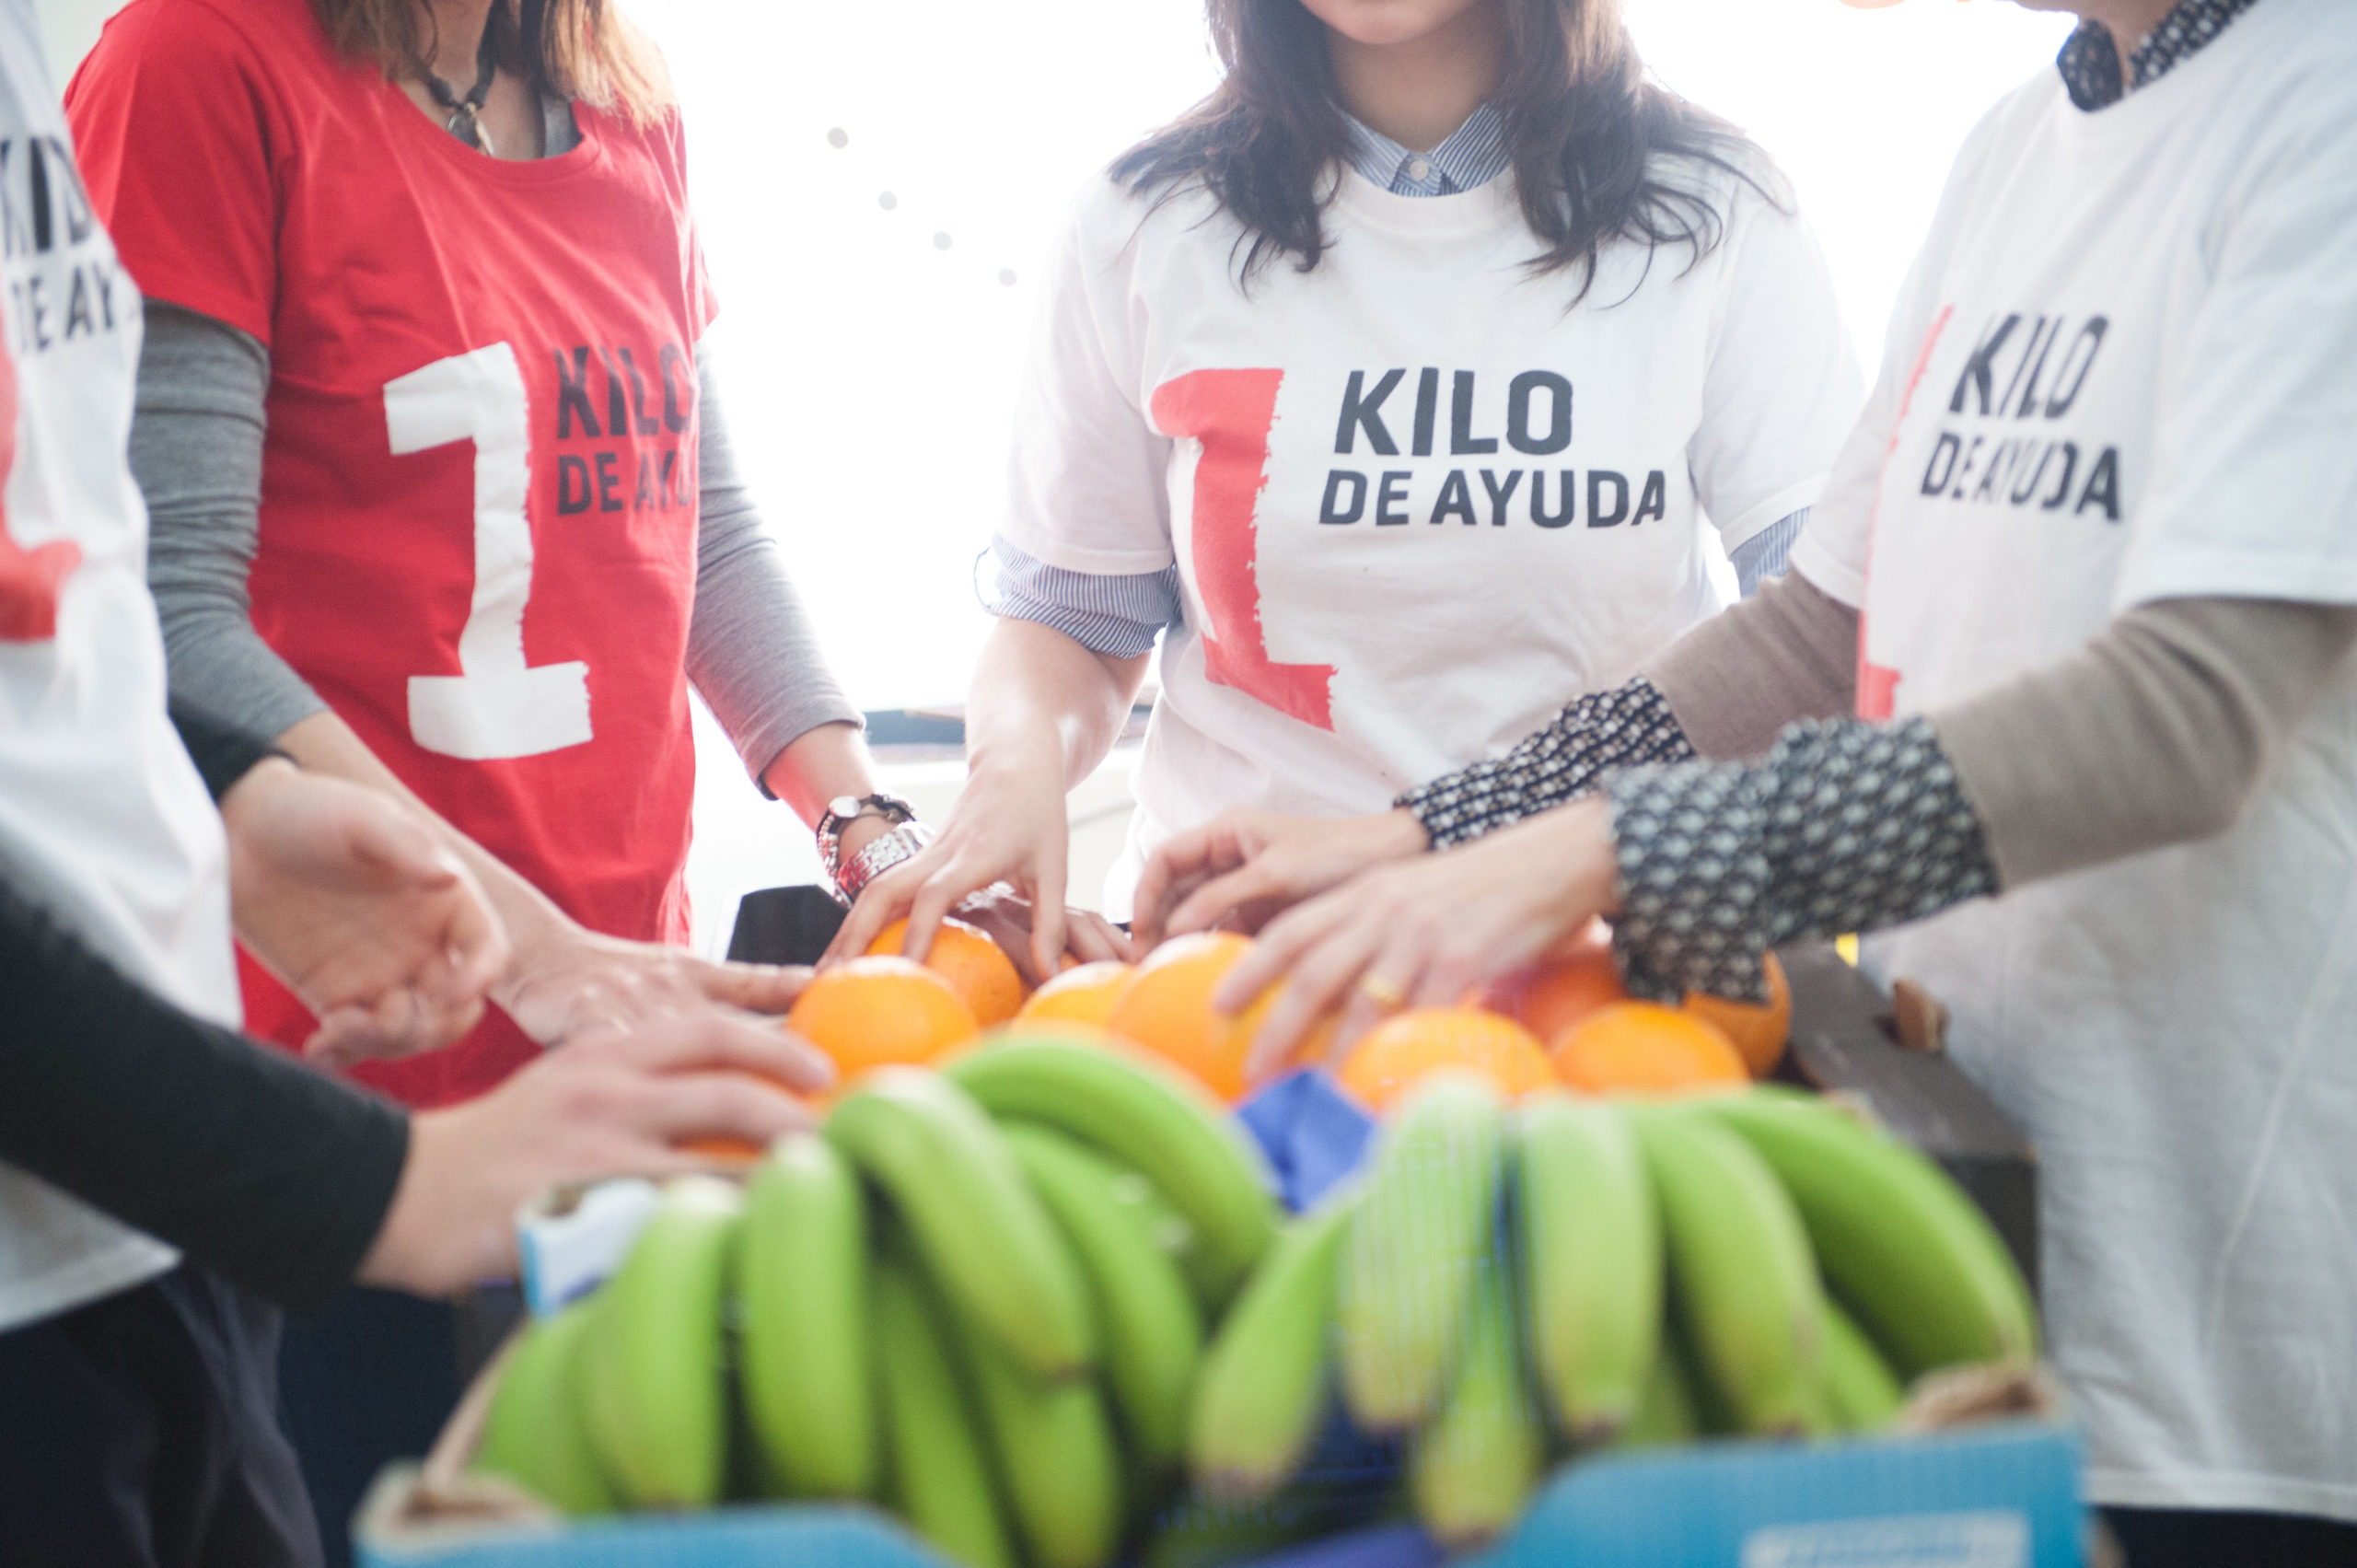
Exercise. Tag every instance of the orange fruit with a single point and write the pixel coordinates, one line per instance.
(970, 961)
(1166, 1008)
(1758, 1029)
(1565, 986)
(1648, 1049)
(1406, 1046)
(1084, 995)
(877, 1010)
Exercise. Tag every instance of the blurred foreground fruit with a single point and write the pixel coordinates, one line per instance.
(1166, 1008)
(1083, 994)
(875, 1011)
(1757, 1029)
(983, 977)
(1397, 1052)
(1638, 1047)
(1569, 983)
(1426, 1222)
(656, 1393)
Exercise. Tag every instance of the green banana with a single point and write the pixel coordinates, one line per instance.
(1862, 1394)
(1058, 1459)
(982, 1232)
(1426, 1220)
(1149, 1116)
(1914, 1259)
(1472, 1468)
(1592, 1262)
(805, 1365)
(1740, 1270)
(656, 1389)
(534, 1433)
(1153, 1335)
(1264, 1382)
(941, 1477)
(1665, 1413)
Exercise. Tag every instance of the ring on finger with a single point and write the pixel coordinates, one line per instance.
(1384, 993)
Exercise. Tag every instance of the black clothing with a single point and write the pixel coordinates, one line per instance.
(141, 1431)
(272, 1175)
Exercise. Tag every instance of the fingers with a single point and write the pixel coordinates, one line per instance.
(716, 1105)
(396, 844)
(880, 903)
(715, 1041)
(1202, 908)
(474, 952)
(756, 988)
(1179, 863)
(939, 894)
(1091, 938)
(1049, 925)
(1311, 952)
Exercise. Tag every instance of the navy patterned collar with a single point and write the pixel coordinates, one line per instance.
(2090, 59)
(1473, 155)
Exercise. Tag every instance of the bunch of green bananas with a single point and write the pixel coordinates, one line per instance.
(979, 1298)
(1504, 1286)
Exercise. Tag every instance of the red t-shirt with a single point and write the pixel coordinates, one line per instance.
(478, 520)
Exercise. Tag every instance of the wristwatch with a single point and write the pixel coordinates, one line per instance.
(906, 836)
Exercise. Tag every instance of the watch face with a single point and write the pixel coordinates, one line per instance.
(846, 806)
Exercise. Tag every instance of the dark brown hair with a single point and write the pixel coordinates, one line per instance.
(1586, 129)
(576, 48)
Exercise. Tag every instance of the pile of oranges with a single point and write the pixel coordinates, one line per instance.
(1565, 1020)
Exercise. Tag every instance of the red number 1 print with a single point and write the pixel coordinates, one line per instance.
(1231, 412)
(29, 579)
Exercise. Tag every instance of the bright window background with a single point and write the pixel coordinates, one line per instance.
(869, 370)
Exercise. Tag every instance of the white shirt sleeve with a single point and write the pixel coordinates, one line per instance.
(1782, 386)
(2252, 488)
(1087, 487)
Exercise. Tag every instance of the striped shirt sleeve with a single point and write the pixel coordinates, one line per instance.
(1117, 615)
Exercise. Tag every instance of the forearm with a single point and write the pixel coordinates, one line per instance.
(1788, 652)
(196, 449)
(1039, 698)
(260, 1168)
(2155, 733)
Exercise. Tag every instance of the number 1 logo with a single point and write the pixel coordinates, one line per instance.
(498, 706)
(1231, 412)
(30, 580)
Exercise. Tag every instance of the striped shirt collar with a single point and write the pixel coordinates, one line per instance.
(1473, 155)
(2090, 59)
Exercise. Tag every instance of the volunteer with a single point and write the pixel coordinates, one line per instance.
(137, 1384)
(1410, 380)
(2086, 576)
(443, 503)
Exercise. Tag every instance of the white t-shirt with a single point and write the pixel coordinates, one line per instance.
(1416, 499)
(103, 820)
(2125, 369)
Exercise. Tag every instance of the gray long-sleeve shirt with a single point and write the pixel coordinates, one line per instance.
(196, 449)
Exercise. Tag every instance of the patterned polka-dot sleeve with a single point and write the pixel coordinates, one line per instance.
(1594, 735)
(1843, 826)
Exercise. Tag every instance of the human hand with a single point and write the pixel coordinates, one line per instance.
(1007, 827)
(349, 899)
(568, 981)
(1426, 933)
(1244, 867)
(607, 1104)
(1005, 916)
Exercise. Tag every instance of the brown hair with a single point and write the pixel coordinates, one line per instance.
(576, 48)
(1586, 131)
